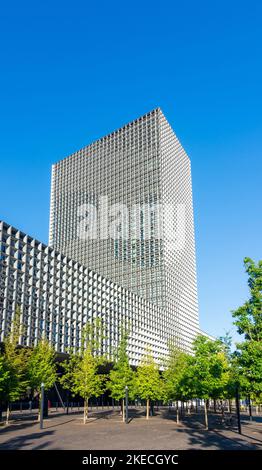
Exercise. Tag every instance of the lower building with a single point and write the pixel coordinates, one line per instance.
(57, 297)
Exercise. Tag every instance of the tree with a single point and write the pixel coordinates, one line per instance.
(4, 379)
(175, 367)
(122, 375)
(248, 320)
(148, 381)
(92, 337)
(15, 359)
(230, 388)
(82, 377)
(42, 368)
(207, 372)
(4, 373)
(69, 366)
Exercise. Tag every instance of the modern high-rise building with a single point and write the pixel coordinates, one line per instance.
(122, 206)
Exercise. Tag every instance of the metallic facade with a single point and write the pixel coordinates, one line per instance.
(58, 296)
(141, 164)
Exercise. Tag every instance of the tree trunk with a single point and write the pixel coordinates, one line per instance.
(177, 413)
(230, 406)
(151, 408)
(222, 409)
(215, 406)
(206, 415)
(84, 411)
(39, 407)
(67, 402)
(123, 410)
(250, 408)
(147, 408)
(7, 413)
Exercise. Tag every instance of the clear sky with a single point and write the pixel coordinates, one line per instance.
(72, 71)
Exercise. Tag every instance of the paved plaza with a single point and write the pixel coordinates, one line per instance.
(105, 430)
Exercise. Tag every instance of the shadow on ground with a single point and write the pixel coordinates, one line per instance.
(190, 433)
(27, 440)
(203, 439)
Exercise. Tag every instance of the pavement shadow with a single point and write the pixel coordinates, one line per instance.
(192, 420)
(255, 419)
(203, 439)
(25, 440)
(17, 425)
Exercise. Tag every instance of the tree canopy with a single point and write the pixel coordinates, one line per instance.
(41, 366)
(148, 381)
(248, 320)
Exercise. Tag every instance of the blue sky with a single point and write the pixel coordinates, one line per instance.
(74, 71)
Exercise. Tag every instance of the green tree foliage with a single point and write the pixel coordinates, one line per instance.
(248, 320)
(231, 366)
(148, 381)
(207, 373)
(122, 375)
(174, 371)
(4, 379)
(4, 375)
(69, 366)
(92, 337)
(14, 360)
(42, 368)
(82, 377)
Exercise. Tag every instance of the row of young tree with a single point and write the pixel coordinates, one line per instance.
(212, 372)
(23, 370)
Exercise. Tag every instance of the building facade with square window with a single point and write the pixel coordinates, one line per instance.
(141, 165)
(57, 297)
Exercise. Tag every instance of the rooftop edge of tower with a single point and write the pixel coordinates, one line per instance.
(156, 111)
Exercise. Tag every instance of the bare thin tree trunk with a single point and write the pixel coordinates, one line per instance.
(250, 408)
(206, 415)
(177, 413)
(7, 413)
(147, 409)
(222, 409)
(39, 408)
(84, 411)
(123, 410)
(215, 406)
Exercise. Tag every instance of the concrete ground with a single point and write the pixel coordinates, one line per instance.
(105, 430)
